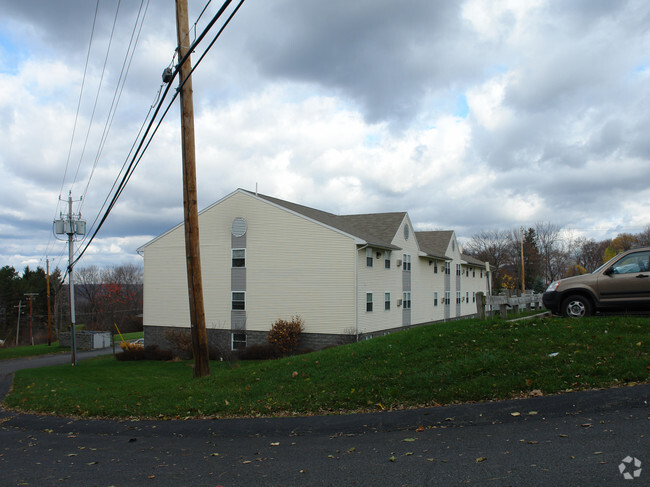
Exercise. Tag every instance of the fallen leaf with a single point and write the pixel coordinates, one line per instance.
(532, 413)
(277, 443)
(481, 459)
(392, 458)
(515, 414)
(421, 428)
(408, 439)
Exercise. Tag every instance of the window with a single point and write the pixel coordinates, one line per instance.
(387, 301)
(447, 297)
(387, 259)
(447, 268)
(458, 270)
(435, 299)
(407, 262)
(407, 300)
(473, 297)
(435, 267)
(239, 257)
(481, 273)
(467, 297)
(458, 297)
(368, 301)
(473, 272)
(368, 257)
(238, 341)
(238, 300)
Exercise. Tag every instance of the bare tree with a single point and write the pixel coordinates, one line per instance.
(549, 244)
(491, 246)
(591, 253)
(88, 280)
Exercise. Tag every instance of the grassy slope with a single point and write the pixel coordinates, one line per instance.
(439, 364)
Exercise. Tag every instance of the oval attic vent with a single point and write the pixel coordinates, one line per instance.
(238, 227)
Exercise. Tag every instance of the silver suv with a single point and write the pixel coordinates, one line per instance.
(621, 283)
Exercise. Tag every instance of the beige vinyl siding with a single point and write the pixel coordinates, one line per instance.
(166, 301)
(293, 266)
(378, 280)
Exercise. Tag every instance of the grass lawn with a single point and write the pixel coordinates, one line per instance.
(44, 349)
(459, 361)
(31, 350)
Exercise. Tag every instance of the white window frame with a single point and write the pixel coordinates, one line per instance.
(435, 298)
(387, 259)
(239, 341)
(369, 258)
(232, 258)
(406, 264)
(386, 301)
(232, 300)
(369, 304)
(406, 300)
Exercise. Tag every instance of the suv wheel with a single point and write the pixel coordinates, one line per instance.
(576, 307)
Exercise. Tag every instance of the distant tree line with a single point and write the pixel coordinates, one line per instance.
(109, 296)
(548, 254)
(102, 297)
(16, 291)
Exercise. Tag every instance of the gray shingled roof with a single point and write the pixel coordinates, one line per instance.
(377, 229)
(434, 243)
(472, 260)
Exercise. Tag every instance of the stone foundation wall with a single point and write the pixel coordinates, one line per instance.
(222, 339)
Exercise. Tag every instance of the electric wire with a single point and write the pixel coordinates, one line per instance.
(76, 118)
(119, 88)
(99, 88)
(142, 147)
(159, 100)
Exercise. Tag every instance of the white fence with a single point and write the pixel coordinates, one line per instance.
(491, 305)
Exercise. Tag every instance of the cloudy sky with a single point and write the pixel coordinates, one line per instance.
(470, 115)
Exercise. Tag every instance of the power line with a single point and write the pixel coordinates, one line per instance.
(99, 89)
(142, 147)
(126, 65)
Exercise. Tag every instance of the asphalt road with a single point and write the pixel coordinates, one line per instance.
(572, 439)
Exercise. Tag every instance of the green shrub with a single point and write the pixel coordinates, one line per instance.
(284, 335)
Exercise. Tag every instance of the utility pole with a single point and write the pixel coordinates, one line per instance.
(71, 226)
(30, 298)
(523, 281)
(192, 252)
(49, 314)
(20, 310)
